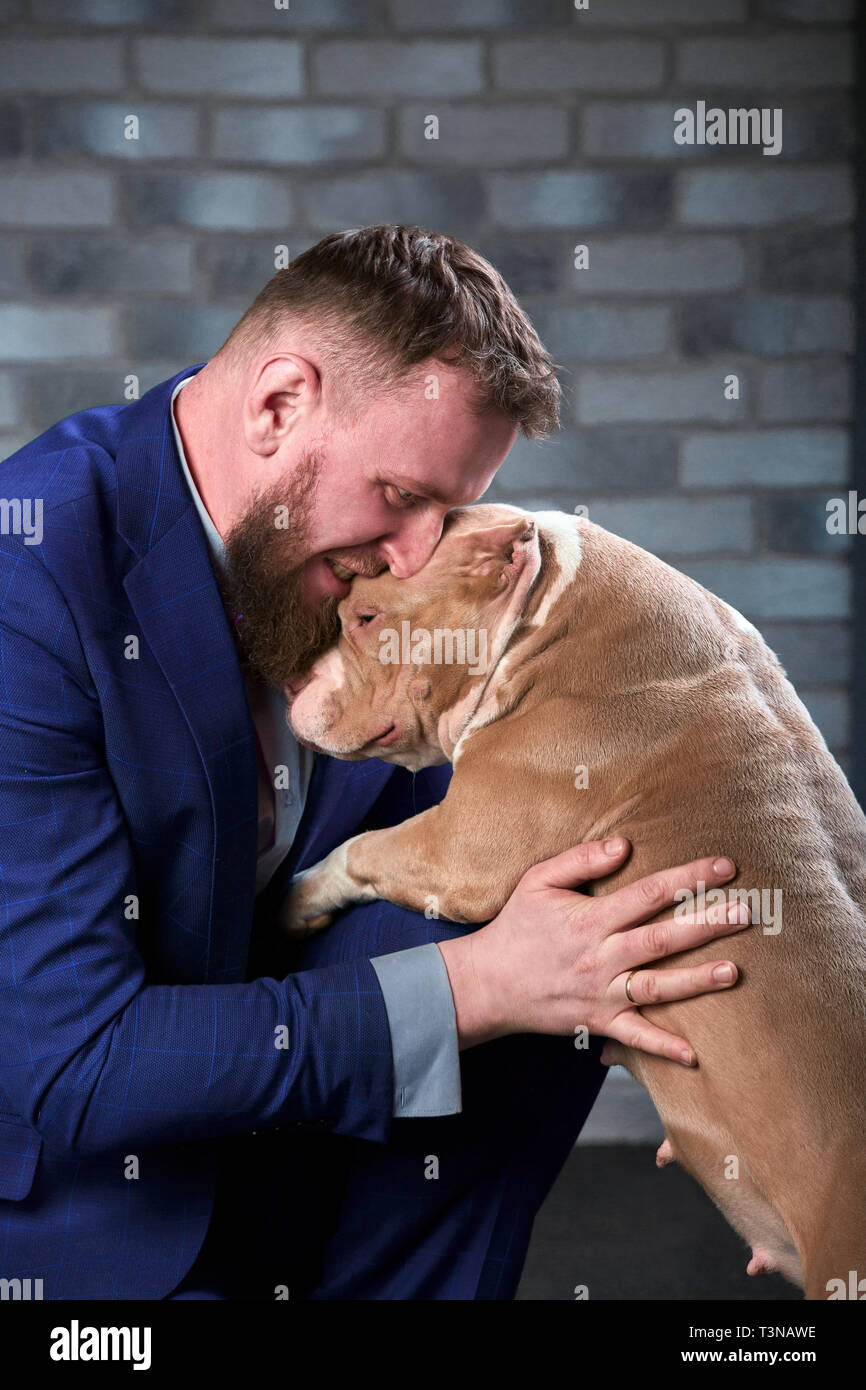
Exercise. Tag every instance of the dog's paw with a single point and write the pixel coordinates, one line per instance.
(308, 906)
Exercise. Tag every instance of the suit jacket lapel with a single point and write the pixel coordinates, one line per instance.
(174, 593)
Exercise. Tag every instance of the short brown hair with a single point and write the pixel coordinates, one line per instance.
(384, 298)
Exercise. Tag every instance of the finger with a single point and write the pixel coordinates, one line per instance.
(631, 1028)
(576, 865)
(633, 948)
(680, 982)
(647, 896)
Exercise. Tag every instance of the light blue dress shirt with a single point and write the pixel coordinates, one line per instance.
(414, 982)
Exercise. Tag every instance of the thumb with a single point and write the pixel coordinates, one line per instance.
(595, 859)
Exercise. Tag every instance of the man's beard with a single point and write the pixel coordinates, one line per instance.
(279, 635)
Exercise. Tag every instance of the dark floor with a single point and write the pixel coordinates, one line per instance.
(628, 1230)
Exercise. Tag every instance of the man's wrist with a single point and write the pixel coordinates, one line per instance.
(477, 1013)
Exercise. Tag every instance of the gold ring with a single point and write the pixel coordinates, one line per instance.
(631, 997)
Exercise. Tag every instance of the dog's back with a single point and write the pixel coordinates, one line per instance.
(695, 742)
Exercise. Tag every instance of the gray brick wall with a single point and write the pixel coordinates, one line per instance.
(260, 128)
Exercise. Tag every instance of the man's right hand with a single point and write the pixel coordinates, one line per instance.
(555, 958)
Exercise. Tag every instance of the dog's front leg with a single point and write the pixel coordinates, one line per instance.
(443, 863)
(394, 863)
(317, 893)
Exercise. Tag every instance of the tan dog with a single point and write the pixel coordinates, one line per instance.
(615, 694)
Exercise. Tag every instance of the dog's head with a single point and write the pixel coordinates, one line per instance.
(414, 651)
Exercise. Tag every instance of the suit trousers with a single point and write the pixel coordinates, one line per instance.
(443, 1210)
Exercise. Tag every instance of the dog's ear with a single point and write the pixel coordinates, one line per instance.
(498, 549)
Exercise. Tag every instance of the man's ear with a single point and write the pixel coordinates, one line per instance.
(501, 548)
(286, 389)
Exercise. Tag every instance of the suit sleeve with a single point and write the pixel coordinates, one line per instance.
(92, 1056)
(415, 981)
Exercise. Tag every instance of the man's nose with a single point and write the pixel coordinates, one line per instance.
(408, 549)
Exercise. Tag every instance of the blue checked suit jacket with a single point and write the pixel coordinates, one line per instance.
(129, 1028)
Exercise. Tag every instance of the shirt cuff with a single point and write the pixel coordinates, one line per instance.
(420, 1009)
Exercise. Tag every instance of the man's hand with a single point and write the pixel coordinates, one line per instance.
(554, 958)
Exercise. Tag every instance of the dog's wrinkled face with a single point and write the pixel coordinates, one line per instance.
(414, 651)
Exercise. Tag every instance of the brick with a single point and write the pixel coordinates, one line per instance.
(605, 332)
(322, 14)
(12, 441)
(245, 202)
(155, 370)
(812, 391)
(625, 460)
(777, 588)
(830, 711)
(765, 458)
(386, 67)
(633, 130)
(64, 128)
(566, 199)
(528, 265)
(73, 199)
(81, 388)
(677, 525)
(802, 259)
(96, 267)
(548, 463)
(796, 524)
(10, 401)
(776, 326)
(662, 265)
(420, 16)
(188, 332)
(13, 275)
(637, 14)
(61, 65)
(29, 332)
(822, 129)
(138, 13)
(298, 135)
(579, 65)
(689, 393)
(72, 389)
(431, 200)
(577, 463)
(811, 653)
(11, 130)
(776, 63)
(237, 266)
(806, 11)
(755, 197)
(230, 67)
(645, 130)
(488, 135)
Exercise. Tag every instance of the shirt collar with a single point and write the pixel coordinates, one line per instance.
(214, 539)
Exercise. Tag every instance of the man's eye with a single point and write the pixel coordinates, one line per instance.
(399, 497)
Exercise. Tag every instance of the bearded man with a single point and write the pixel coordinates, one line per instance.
(191, 1107)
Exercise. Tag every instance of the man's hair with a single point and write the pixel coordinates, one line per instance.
(381, 299)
